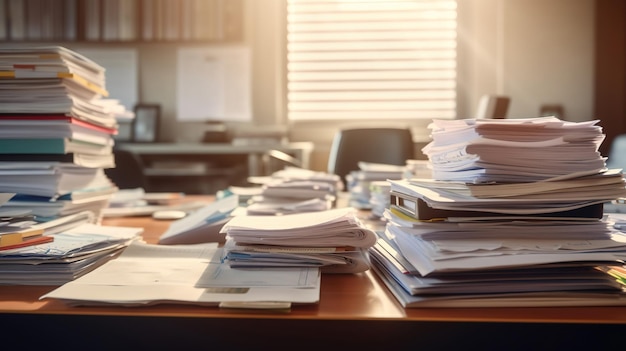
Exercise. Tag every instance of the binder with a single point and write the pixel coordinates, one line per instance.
(419, 209)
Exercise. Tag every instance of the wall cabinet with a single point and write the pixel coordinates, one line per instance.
(121, 20)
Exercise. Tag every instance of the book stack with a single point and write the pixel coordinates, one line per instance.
(513, 216)
(56, 135)
(334, 240)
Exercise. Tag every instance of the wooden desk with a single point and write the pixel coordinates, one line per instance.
(354, 310)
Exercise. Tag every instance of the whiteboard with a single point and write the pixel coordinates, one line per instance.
(213, 84)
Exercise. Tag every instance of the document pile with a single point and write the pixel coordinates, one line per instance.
(56, 134)
(418, 169)
(77, 246)
(359, 181)
(379, 198)
(513, 150)
(133, 197)
(146, 274)
(379, 190)
(15, 228)
(51, 189)
(137, 202)
(186, 267)
(334, 240)
(512, 217)
(294, 190)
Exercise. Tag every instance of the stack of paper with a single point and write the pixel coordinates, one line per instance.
(359, 181)
(173, 272)
(513, 150)
(294, 190)
(334, 240)
(496, 231)
(147, 274)
(291, 173)
(418, 169)
(16, 228)
(56, 130)
(476, 268)
(379, 197)
(78, 247)
(52, 80)
(138, 202)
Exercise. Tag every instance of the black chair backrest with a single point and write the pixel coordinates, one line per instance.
(377, 145)
(128, 172)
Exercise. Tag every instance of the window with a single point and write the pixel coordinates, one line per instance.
(359, 59)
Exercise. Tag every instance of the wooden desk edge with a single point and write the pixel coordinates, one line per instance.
(361, 297)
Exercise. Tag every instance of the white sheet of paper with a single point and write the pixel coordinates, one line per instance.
(212, 212)
(294, 221)
(148, 274)
(222, 275)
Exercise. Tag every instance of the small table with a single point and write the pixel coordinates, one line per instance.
(300, 150)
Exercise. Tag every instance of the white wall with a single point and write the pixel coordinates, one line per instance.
(536, 51)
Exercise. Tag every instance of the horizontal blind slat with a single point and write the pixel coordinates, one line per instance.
(377, 85)
(371, 105)
(370, 75)
(350, 59)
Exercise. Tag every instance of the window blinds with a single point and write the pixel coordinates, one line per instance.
(351, 59)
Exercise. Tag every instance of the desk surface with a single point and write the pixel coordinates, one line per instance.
(359, 299)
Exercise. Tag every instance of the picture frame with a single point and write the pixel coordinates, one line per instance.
(124, 131)
(145, 126)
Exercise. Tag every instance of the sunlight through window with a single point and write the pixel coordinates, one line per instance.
(351, 59)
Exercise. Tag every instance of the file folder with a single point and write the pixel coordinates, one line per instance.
(23, 238)
(419, 209)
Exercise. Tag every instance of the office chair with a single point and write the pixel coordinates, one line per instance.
(492, 106)
(617, 153)
(377, 145)
(275, 160)
(128, 172)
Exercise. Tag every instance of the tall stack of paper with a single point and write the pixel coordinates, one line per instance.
(52, 80)
(334, 240)
(512, 217)
(295, 190)
(56, 131)
(513, 150)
